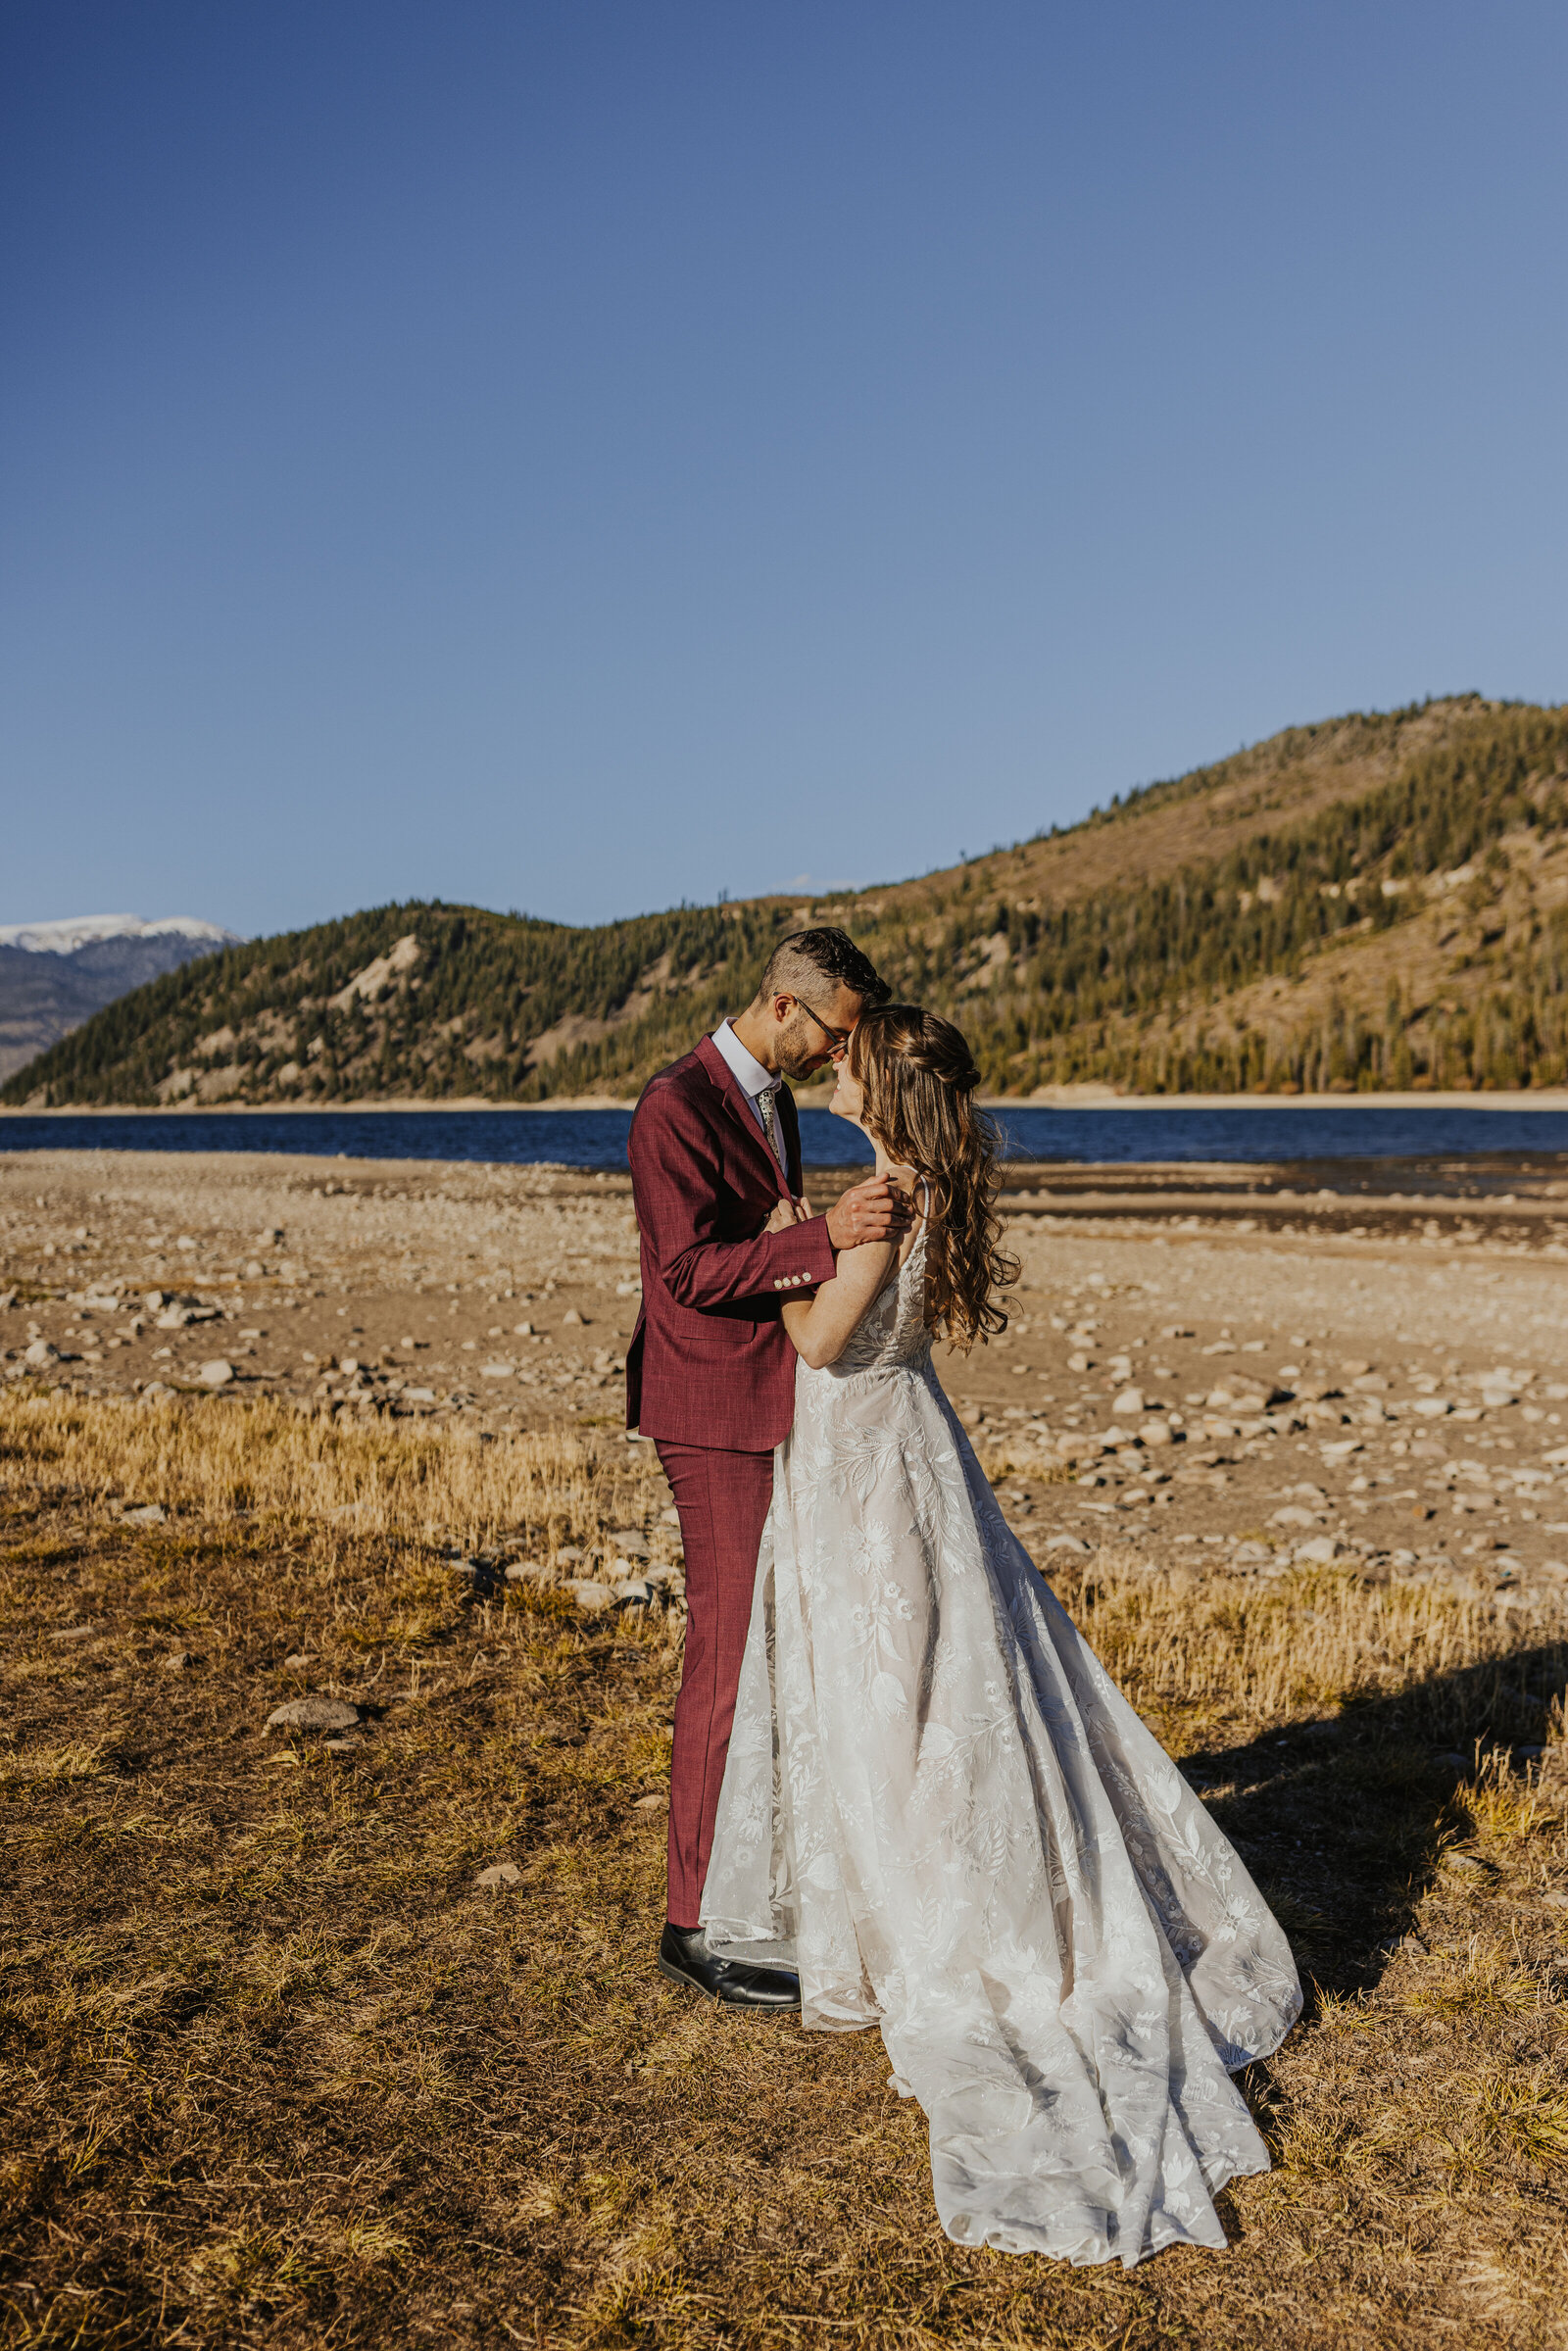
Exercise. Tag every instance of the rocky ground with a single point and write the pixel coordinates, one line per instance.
(1390, 1394)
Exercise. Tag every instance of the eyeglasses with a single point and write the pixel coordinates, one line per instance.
(838, 1039)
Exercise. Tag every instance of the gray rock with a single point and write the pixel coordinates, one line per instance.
(590, 1597)
(145, 1514)
(76, 1632)
(314, 1714)
(42, 1351)
(176, 1661)
(499, 1874)
(218, 1373)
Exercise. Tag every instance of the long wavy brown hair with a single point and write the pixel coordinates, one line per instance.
(919, 1080)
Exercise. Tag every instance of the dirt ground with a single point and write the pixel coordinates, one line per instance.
(345, 2030)
(1391, 1398)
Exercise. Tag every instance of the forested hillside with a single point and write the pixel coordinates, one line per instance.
(1380, 901)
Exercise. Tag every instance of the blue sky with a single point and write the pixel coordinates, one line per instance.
(583, 455)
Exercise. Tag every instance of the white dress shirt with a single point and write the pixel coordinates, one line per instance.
(754, 1080)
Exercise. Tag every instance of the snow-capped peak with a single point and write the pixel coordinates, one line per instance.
(63, 938)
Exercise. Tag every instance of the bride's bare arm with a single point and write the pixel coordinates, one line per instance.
(821, 1327)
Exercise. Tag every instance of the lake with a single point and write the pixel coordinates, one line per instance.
(598, 1138)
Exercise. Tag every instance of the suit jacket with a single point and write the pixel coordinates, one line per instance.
(710, 1364)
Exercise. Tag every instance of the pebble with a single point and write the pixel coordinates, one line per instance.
(653, 1804)
(215, 1374)
(589, 1595)
(176, 1661)
(499, 1874)
(145, 1514)
(495, 1371)
(571, 1320)
(314, 1714)
(76, 1632)
(1067, 1542)
(1319, 1552)
(1129, 1404)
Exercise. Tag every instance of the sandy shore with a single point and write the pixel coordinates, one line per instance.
(1215, 1393)
(1048, 1098)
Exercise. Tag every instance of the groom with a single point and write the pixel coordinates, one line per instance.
(714, 1147)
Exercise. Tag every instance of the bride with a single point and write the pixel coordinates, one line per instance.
(934, 1792)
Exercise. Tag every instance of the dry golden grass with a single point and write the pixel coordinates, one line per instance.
(277, 2071)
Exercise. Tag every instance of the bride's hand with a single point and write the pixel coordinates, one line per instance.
(786, 1213)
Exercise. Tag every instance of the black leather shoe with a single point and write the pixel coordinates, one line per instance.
(685, 1958)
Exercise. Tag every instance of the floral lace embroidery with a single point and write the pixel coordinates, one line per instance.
(938, 1798)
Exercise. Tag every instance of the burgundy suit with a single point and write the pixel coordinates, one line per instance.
(710, 1378)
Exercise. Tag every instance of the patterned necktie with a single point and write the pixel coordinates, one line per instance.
(766, 1102)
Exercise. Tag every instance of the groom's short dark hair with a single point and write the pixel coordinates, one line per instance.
(825, 954)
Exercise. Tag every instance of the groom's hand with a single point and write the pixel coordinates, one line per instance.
(875, 1210)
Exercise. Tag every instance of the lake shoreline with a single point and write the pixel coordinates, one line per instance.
(1056, 1097)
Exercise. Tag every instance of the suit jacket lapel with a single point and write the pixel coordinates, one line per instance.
(790, 1119)
(733, 1094)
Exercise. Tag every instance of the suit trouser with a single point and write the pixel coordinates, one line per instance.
(722, 1500)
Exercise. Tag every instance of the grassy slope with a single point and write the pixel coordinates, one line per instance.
(1379, 901)
(279, 2072)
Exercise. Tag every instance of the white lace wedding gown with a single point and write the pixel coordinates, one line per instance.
(938, 1798)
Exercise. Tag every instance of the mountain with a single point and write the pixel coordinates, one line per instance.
(1374, 901)
(55, 975)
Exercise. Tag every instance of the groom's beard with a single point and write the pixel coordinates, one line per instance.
(799, 1050)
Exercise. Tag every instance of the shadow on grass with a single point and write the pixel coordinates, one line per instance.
(1343, 1820)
